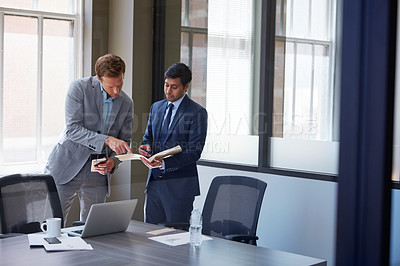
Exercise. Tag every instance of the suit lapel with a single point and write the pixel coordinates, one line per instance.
(98, 96)
(158, 119)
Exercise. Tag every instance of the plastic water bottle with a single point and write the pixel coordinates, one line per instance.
(195, 229)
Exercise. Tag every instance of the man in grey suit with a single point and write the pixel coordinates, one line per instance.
(173, 183)
(98, 119)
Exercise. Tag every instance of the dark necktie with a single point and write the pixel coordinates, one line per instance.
(156, 172)
(167, 120)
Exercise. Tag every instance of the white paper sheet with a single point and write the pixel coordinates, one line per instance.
(160, 231)
(67, 243)
(37, 239)
(176, 239)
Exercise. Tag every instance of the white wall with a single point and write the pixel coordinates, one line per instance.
(297, 215)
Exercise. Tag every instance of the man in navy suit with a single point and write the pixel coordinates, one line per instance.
(173, 182)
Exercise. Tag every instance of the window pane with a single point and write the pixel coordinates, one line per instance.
(20, 87)
(322, 101)
(229, 98)
(305, 19)
(279, 83)
(280, 26)
(199, 63)
(302, 76)
(58, 73)
(60, 6)
(303, 87)
(298, 18)
(319, 20)
(194, 13)
(223, 74)
(299, 116)
(185, 55)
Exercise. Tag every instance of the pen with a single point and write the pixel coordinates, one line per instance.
(145, 150)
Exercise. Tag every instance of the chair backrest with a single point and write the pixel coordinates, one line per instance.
(232, 206)
(26, 201)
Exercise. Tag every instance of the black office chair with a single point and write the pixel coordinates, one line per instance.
(231, 209)
(26, 201)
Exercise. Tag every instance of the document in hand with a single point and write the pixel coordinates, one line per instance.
(160, 155)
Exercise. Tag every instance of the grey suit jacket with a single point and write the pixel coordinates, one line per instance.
(82, 134)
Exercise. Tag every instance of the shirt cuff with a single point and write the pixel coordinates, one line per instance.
(162, 168)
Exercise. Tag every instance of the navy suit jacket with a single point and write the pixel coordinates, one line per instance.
(188, 129)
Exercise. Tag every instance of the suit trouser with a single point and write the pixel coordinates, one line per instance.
(162, 206)
(91, 188)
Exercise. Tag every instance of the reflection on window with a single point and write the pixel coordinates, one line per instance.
(20, 87)
(303, 88)
(303, 118)
(38, 60)
(194, 46)
(60, 34)
(194, 13)
(218, 43)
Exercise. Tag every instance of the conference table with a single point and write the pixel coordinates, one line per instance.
(133, 247)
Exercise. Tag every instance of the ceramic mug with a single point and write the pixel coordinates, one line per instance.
(53, 227)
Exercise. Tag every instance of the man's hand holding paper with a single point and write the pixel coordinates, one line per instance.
(155, 160)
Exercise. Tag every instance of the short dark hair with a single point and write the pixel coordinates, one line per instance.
(109, 65)
(179, 70)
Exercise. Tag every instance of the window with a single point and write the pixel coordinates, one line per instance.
(303, 98)
(221, 41)
(218, 42)
(38, 62)
(194, 46)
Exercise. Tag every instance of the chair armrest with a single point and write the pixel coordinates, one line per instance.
(242, 238)
(180, 226)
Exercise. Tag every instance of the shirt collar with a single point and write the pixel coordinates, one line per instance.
(177, 102)
(105, 99)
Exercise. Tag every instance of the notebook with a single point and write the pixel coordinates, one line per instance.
(105, 218)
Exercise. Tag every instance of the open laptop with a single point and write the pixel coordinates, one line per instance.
(105, 218)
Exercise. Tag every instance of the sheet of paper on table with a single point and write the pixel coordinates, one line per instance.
(160, 231)
(67, 243)
(176, 239)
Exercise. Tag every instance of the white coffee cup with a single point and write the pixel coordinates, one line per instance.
(53, 227)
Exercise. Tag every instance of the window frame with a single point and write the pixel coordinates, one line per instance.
(78, 67)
